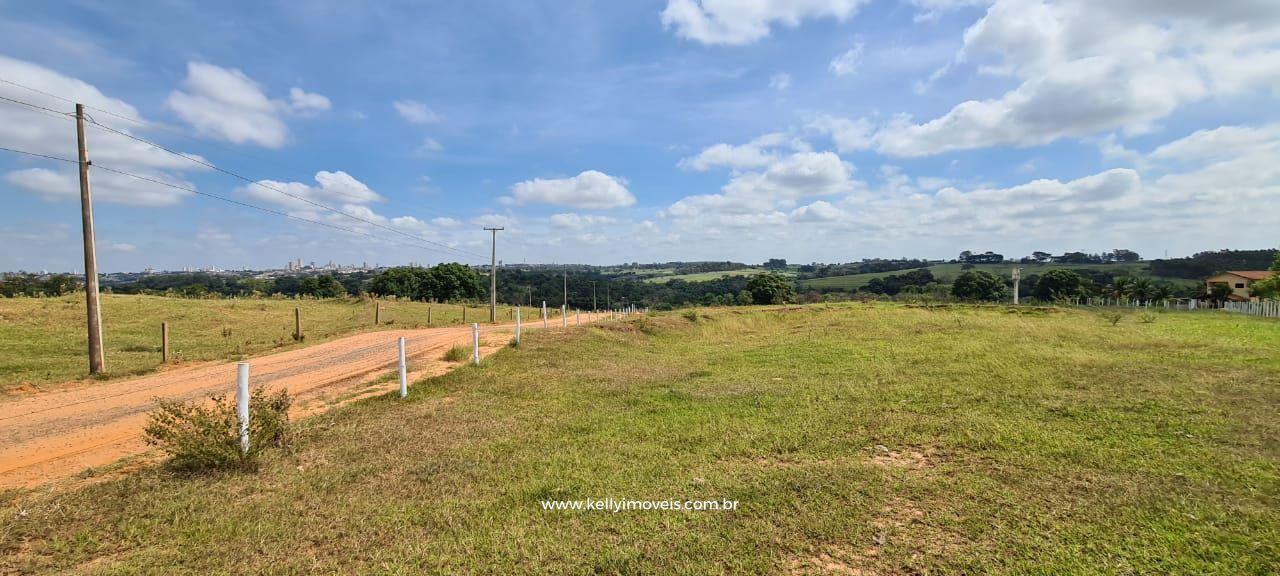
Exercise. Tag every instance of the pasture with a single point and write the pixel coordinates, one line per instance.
(856, 439)
(43, 341)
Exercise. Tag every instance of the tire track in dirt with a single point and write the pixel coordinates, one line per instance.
(55, 435)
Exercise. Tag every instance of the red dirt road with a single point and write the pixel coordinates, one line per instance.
(55, 435)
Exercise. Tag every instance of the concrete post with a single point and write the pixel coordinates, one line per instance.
(404, 376)
(242, 404)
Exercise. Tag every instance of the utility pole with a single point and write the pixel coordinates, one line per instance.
(608, 302)
(566, 290)
(96, 363)
(493, 276)
(1017, 276)
(593, 295)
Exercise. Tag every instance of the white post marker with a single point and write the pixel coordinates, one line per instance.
(404, 376)
(544, 313)
(577, 317)
(517, 326)
(242, 404)
(475, 344)
(564, 315)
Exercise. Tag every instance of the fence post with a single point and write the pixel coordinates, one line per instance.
(475, 344)
(544, 313)
(242, 404)
(464, 313)
(164, 342)
(377, 313)
(428, 315)
(297, 324)
(404, 376)
(577, 317)
(517, 326)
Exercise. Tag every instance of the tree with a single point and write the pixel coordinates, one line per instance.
(1059, 284)
(978, 285)
(1122, 255)
(1270, 286)
(1219, 293)
(1041, 256)
(770, 288)
(776, 264)
(1142, 289)
(322, 287)
(1119, 288)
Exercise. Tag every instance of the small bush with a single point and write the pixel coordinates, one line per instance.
(206, 436)
(1112, 317)
(691, 315)
(457, 354)
(1147, 318)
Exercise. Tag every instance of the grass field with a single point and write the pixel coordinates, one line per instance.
(857, 439)
(951, 270)
(43, 341)
(705, 276)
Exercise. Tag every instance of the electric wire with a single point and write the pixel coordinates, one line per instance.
(37, 108)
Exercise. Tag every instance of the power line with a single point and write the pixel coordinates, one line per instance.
(222, 198)
(181, 134)
(202, 162)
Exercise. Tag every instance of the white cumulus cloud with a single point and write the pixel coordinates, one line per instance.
(735, 22)
(589, 190)
(226, 104)
(415, 112)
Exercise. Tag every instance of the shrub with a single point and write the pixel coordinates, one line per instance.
(457, 354)
(691, 315)
(979, 285)
(206, 435)
(1147, 318)
(1112, 317)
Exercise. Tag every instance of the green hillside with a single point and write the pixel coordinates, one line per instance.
(949, 271)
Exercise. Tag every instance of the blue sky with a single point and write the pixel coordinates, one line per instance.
(604, 132)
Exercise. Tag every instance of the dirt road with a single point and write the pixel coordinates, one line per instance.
(56, 435)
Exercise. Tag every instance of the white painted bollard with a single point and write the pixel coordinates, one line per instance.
(517, 326)
(544, 313)
(564, 315)
(404, 374)
(242, 404)
(475, 344)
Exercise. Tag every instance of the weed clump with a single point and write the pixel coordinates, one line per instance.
(457, 354)
(1111, 317)
(691, 315)
(201, 436)
(1147, 318)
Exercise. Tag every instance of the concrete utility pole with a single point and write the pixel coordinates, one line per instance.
(96, 362)
(566, 290)
(1017, 276)
(593, 295)
(493, 276)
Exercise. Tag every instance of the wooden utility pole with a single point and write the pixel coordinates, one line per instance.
(96, 362)
(493, 276)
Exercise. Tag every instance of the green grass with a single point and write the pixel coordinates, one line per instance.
(950, 271)
(43, 341)
(872, 439)
(705, 276)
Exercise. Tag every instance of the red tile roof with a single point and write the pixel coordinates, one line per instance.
(1251, 274)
